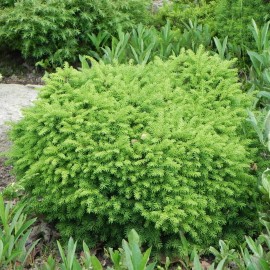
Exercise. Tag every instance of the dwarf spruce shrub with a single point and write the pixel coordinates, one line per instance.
(158, 148)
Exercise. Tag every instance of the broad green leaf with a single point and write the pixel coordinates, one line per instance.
(221, 264)
(96, 263)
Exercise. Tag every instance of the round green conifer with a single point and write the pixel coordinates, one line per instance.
(158, 148)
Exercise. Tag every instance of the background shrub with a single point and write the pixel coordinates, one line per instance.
(58, 30)
(6, 3)
(179, 12)
(226, 19)
(158, 148)
(232, 19)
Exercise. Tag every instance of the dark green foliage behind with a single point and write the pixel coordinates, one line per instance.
(233, 19)
(158, 148)
(230, 18)
(58, 30)
(179, 12)
(6, 3)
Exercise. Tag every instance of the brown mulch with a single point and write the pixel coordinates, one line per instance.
(5, 171)
(5, 174)
(28, 78)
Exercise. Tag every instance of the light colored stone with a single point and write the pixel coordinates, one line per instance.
(13, 97)
(157, 4)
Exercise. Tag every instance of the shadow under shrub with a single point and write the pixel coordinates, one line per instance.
(158, 148)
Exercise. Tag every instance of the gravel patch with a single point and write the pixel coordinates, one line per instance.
(13, 98)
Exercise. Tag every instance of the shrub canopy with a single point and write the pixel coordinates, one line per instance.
(158, 148)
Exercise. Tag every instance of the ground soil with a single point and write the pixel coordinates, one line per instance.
(5, 174)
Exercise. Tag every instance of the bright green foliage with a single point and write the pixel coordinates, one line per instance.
(254, 253)
(158, 148)
(58, 29)
(14, 236)
(130, 256)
